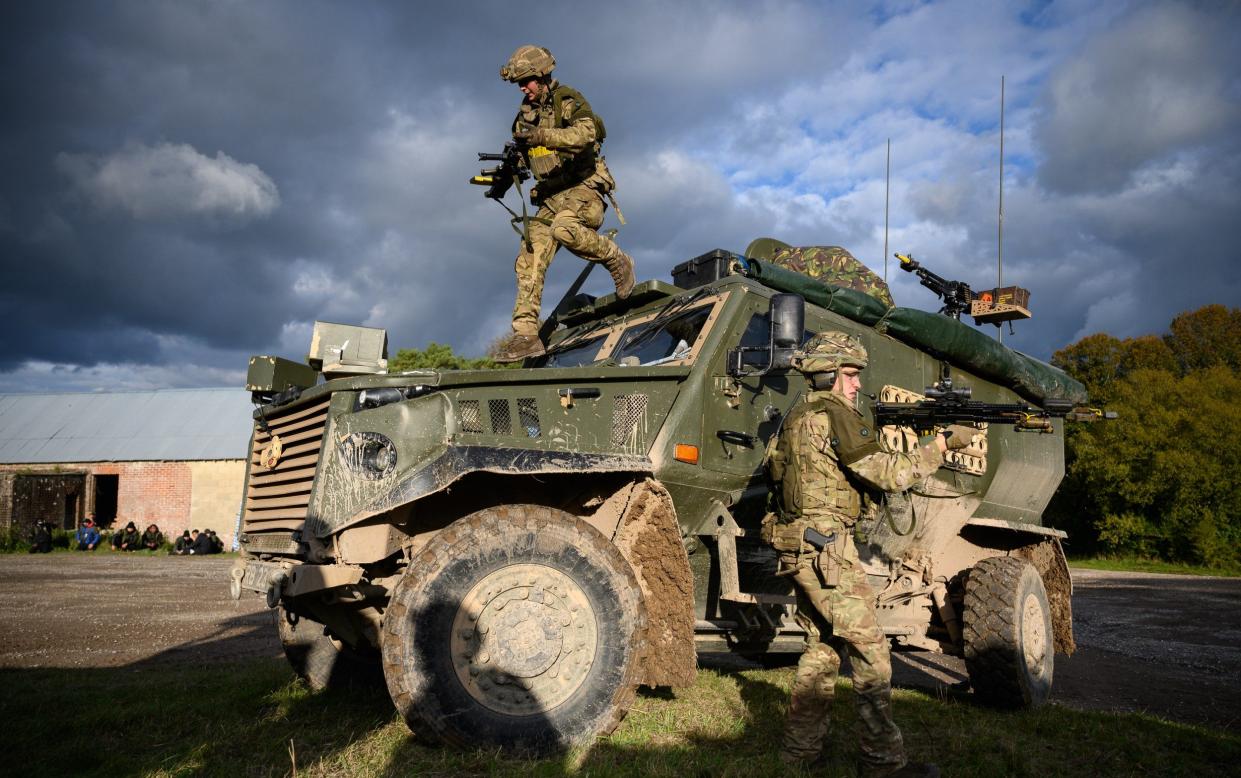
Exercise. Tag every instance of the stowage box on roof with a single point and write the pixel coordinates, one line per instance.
(702, 270)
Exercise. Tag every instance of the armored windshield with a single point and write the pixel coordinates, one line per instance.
(661, 340)
(668, 335)
(577, 354)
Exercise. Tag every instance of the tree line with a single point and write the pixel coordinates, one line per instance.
(1163, 480)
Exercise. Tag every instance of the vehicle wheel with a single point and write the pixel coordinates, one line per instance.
(1008, 639)
(517, 627)
(322, 661)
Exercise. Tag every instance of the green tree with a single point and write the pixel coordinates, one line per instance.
(1161, 480)
(438, 356)
(1206, 337)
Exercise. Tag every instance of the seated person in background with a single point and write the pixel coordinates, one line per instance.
(128, 539)
(152, 539)
(182, 545)
(202, 544)
(88, 535)
(42, 538)
(216, 543)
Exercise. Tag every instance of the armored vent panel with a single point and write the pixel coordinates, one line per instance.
(628, 417)
(282, 469)
(471, 416)
(501, 418)
(528, 416)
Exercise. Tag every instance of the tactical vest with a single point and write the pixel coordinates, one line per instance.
(810, 493)
(557, 169)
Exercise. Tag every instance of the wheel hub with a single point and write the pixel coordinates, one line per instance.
(524, 639)
(1033, 635)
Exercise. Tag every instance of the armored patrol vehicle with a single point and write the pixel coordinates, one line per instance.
(514, 552)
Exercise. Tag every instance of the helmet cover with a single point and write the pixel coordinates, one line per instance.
(829, 351)
(528, 62)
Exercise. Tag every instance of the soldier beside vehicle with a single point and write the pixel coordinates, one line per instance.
(824, 462)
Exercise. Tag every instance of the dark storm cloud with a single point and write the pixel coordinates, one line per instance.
(188, 183)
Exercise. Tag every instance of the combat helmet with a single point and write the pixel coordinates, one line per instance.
(828, 351)
(528, 62)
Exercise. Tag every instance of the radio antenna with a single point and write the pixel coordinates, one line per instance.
(887, 188)
(999, 238)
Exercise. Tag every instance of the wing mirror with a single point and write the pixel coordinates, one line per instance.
(787, 315)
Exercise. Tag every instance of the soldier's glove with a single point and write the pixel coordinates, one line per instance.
(958, 436)
(525, 132)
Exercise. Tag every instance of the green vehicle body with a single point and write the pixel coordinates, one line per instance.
(372, 468)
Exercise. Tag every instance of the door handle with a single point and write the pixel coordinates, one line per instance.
(738, 438)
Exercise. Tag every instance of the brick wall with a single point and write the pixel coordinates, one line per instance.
(174, 495)
(215, 496)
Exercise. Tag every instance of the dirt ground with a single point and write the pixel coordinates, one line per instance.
(111, 609)
(1168, 645)
(1163, 644)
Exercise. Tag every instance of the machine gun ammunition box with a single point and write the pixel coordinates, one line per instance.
(1005, 303)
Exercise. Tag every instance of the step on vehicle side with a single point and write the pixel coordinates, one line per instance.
(514, 551)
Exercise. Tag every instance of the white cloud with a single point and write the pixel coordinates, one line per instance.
(172, 180)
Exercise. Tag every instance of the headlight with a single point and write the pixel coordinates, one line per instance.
(368, 454)
(377, 398)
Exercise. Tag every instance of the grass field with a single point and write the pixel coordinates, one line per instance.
(1137, 565)
(253, 719)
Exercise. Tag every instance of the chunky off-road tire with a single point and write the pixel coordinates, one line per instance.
(517, 627)
(321, 661)
(1008, 635)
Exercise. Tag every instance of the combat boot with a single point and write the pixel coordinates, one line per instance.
(620, 265)
(519, 347)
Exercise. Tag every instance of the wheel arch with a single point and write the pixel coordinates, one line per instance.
(1042, 548)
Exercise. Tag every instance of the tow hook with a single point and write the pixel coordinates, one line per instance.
(274, 590)
(234, 585)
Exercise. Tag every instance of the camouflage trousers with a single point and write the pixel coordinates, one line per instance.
(568, 219)
(840, 618)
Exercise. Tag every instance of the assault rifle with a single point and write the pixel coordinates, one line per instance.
(945, 405)
(957, 295)
(499, 179)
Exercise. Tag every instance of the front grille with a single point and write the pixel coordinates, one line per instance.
(278, 492)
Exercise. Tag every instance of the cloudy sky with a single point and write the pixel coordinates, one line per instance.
(184, 184)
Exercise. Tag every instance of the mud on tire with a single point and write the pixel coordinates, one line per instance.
(322, 662)
(1008, 634)
(517, 627)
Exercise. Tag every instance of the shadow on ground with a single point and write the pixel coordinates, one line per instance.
(161, 717)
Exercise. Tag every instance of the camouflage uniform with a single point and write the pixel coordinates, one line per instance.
(561, 138)
(824, 457)
(833, 265)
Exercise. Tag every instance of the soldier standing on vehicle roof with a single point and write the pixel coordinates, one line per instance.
(825, 457)
(560, 137)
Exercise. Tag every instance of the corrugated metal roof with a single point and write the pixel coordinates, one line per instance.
(166, 424)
